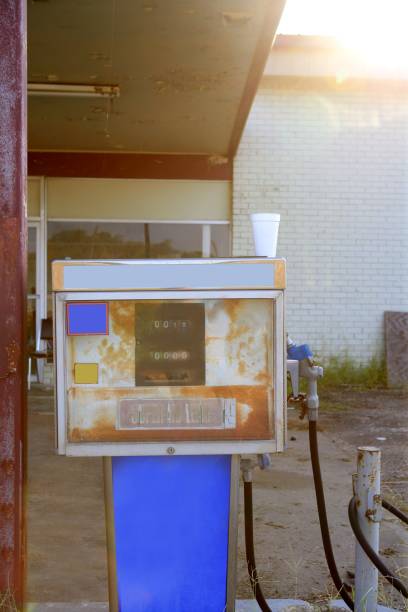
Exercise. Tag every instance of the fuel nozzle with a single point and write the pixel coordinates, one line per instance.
(311, 373)
(300, 364)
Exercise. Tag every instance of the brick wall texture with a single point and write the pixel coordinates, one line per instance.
(334, 164)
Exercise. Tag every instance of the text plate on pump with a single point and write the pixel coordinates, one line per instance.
(205, 413)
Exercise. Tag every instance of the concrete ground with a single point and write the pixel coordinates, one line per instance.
(66, 533)
(247, 605)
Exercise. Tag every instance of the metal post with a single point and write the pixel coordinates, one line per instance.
(206, 241)
(367, 490)
(13, 258)
(110, 535)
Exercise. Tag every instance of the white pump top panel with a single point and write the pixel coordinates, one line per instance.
(169, 356)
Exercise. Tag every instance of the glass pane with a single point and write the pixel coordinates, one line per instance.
(32, 260)
(220, 241)
(80, 240)
(93, 240)
(174, 240)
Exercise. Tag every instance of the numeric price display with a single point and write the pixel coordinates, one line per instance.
(170, 343)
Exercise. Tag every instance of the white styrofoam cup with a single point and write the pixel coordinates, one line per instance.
(265, 228)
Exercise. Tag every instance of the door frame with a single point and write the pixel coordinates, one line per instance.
(40, 225)
(37, 295)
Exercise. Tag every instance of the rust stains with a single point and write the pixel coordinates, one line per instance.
(57, 274)
(263, 377)
(117, 359)
(236, 331)
(242, 368)
(231, 308)
(122, 315)
(253, 410)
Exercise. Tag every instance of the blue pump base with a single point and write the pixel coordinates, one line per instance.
(171, 533)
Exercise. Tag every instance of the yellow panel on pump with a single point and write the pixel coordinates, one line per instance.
(86, 373)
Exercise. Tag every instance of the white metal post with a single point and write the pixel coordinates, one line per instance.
(367, 491)
(206, 240)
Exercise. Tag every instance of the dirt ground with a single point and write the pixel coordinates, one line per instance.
(66, 534)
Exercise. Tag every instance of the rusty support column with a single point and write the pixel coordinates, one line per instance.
(13, 298)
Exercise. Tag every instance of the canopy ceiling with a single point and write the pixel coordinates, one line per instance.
(187, 72)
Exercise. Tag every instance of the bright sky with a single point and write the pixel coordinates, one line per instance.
(375, 29)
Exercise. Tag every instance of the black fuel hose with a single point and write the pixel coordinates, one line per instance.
(321, 507)
(249, 547)
(324, 527)
(395, 511)
(371, 554)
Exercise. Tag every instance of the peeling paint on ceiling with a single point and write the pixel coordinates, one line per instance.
(181, 67)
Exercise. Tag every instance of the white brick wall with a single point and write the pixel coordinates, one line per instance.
(335, 165)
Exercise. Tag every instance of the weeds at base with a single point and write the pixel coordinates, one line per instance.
(344, 371)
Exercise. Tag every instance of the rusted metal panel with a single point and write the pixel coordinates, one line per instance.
(396, 348)
(13, 301)
(93, 414)
(238, 369)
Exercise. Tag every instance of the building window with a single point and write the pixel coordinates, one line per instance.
(133, 240)
(220, 241)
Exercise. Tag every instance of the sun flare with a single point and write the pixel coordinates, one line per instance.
(374, 30)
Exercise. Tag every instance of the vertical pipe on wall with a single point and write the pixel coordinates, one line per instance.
(13, 257)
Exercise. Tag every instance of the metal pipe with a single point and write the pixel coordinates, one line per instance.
(249, 546)
(13, 307)
(110, 535)
(247, 465)
(385, 571)
(312, 373)
(368, 503)
(321, 508)
(395, 511)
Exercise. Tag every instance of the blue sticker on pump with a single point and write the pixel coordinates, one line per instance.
(87, 318)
